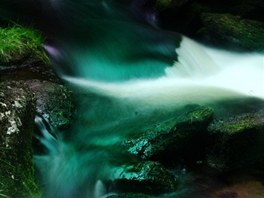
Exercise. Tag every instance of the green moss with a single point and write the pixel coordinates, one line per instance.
(171, 135)
(247, 34)
(236, 127)
(238, 124)
(16, 162)
(201, 114)
(16, 43)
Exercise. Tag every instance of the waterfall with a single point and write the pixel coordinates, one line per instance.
(126, 75)
(200, 75)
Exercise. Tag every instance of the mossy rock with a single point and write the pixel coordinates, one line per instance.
(233, 31)
(54, 102)
(239, 124)
(18, 43)
(16, 131)
(164, 141)
(143, 177)
(239, 142)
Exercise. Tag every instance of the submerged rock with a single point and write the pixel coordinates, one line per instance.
(239, 142)
(16, 131)
(178, 137)
(143, 177)
(233, 31)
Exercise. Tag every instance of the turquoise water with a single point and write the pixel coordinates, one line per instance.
(125, 74)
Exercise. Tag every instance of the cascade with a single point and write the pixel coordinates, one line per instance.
(126, 75)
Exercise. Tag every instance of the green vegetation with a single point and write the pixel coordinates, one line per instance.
(17, 114)
(18, 43)
(239, 124)
(247, 34)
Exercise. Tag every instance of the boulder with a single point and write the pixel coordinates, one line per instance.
(239, 142)
(54, 102)
(143, 177)
(233, 32)
(17, 112)
(180, 137)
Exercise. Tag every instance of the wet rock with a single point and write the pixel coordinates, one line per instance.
(28, 70)
(187, 17)
(54, 102)
(16, 131)
(143, 177)
(182, 136)
(232, 31)
(239, 142)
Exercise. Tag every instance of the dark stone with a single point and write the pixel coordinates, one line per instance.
(54, 102)
(186, 17)
(183, 18)
(27, 70)
(250, 9)
(182, 136)
(143, 177)
(233, 32)
(17, 114)
(239, 142)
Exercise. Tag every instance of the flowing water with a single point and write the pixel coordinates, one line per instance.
(125, 74)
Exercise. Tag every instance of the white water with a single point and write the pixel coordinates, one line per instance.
(200, 76)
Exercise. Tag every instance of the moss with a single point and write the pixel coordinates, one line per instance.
(18, 42)
(173, 136)
(200, 114)
(144, 177)
(238, 124)
(246, 34)
(236, 127)
(16, 132)
(238, 142)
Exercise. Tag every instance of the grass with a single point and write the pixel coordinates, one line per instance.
(17, 43)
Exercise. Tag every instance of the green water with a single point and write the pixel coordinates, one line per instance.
(126, 75)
